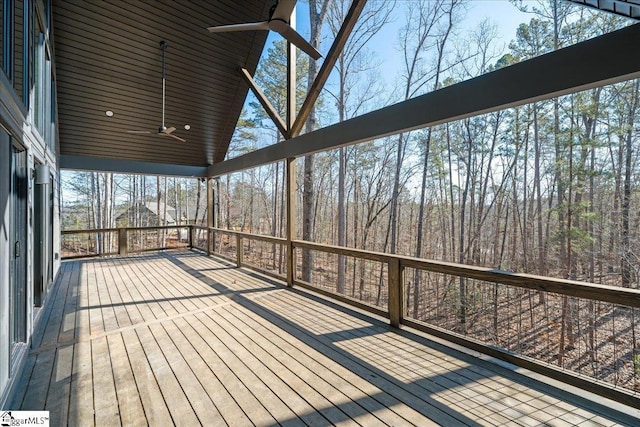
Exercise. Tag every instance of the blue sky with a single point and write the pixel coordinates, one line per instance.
(501, 12)
(386, 46)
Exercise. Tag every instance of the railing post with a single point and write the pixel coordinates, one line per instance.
(396, 298)
(209, 241)
(190, 237)
(239, 250)
(123, 244)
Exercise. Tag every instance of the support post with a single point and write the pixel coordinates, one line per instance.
(239, 250)
(290, 186)
(291, 219)
(396, 298)
(123, 244)
(291, 79)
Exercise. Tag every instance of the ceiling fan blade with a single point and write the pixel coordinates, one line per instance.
(168, 131)
(240, 27)
(292, 35)
(139, 132)
(284, 9)
(175, 137)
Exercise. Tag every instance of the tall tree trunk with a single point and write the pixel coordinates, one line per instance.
(227, 203)
(316, 19)
(198, 196)
(107, 201)
(274, 222)
(342, 218)
(418, 252)
(627, 267)
(461, 247)
(425, 167)
(98, 210)
(92, 209)
(356, 229)
(342, 171)
(176, 190)
(542, 243)
(452, 202)
(395, 195)
(164, 212)
(160, 243)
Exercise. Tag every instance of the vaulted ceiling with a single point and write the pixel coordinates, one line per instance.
(108, 57)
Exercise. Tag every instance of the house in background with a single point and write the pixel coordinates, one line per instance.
(148, 215)
(145, 215)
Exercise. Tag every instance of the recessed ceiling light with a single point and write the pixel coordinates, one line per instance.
(109, 113)
(187, 127)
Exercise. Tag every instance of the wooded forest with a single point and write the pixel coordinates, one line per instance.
(549, 188)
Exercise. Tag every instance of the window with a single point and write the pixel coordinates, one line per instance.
(39, 74)
(51, 140)
(15, 44)
(47, 12)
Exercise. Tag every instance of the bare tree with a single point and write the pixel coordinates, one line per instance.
(317, 14)
(353, 61)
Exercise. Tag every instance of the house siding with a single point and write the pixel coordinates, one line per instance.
(28, 141)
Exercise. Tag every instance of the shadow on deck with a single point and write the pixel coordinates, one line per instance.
(178, 337)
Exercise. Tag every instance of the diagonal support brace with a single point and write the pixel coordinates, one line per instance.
(268, 107)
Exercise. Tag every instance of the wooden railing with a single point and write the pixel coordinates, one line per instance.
(248, 250)
(124, 240)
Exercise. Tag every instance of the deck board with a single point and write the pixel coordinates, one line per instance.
(81, 402)
(180, 338)
(151, 397)
(174, 397)
(130, 407)
(104, 398)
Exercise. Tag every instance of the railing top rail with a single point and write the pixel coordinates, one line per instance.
(604, 293)
(104, 230)
(340, 250)
(159, 227)
(89, 231)
(593, 291)
(270, 239)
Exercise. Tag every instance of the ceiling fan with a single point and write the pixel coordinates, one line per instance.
(162, 130)
(279, 22)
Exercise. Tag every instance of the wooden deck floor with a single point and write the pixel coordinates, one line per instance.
(177, 337)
